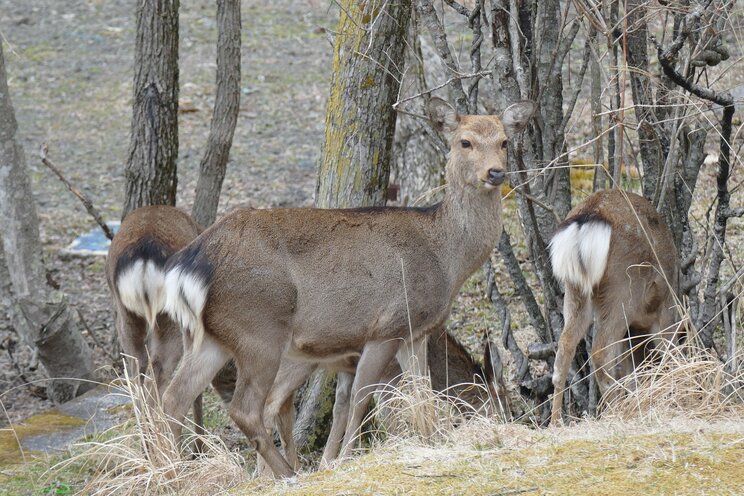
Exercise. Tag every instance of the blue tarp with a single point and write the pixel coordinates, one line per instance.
(94, 242)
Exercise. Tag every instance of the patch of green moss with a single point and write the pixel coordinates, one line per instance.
(369, 82)
(44, 423)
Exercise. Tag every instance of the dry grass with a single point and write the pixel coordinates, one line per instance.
(675, 429)
(142, 457)
(685, 380)
(413, 411)
(608, 457)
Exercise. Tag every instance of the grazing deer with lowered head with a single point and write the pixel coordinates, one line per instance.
(320, 285)
(135, 271)
(454, 373)
(617, 260)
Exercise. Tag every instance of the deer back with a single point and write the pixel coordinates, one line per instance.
(135, 264)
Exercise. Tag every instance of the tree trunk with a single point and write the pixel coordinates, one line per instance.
(360, 121)
(46, 322)
(355, 163)
(151, 165)
(315, 411)
(653, 145)
(225, 116)
(8, 315)
(418, 161)
(557, 187)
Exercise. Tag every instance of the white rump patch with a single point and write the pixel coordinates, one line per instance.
(186, 295)
(579, 253)
(141, 288)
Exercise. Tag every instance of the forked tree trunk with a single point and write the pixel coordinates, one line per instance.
(355, 163)
(225, 115)
(45, 322)
(151, 164)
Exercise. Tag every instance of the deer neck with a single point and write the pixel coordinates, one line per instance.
(470, 227)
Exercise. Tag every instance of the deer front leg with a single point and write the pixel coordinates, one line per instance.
(577, 311)
(372, 363)
(341, 407)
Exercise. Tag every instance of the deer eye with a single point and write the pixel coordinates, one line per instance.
(504, 144)
(465, 144)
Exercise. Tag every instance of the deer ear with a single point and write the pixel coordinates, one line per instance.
(443, 116)
(517, 115)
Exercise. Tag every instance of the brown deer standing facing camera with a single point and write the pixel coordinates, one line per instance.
(617, 260)
(320, 285)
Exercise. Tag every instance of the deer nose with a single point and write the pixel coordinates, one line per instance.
(496, 176)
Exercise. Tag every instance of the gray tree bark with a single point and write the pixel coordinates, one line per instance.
(225, 116)
(418, 161)
(45, 320)
(153, 149)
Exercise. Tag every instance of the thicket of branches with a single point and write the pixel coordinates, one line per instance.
(631, 94)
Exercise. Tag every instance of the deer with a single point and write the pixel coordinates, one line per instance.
(321, 285)
(616, 257)
(135, 272)
(453, 370)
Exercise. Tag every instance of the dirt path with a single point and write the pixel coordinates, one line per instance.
(70, 70)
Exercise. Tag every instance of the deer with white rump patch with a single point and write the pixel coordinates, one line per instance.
(617, 260)
(135, 271)
(320, 285)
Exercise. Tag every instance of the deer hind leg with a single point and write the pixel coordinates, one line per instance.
(166, 348)
(191, 378)
(577, 310)
(256, 374)
(280, 409)
(341, 408)
(610, 350)
(372, 364)
(132, 333)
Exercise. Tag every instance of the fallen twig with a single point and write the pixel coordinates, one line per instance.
(92, 210)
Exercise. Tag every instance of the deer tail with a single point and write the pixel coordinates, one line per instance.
(579, 251)
(187, 281)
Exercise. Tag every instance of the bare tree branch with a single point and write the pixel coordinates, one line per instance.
(430, 19)
(87, 203)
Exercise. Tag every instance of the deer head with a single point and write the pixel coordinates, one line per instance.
(478, 144)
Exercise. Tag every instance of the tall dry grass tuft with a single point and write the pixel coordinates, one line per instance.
(685, 380)
(412, 411)
(142, 456)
